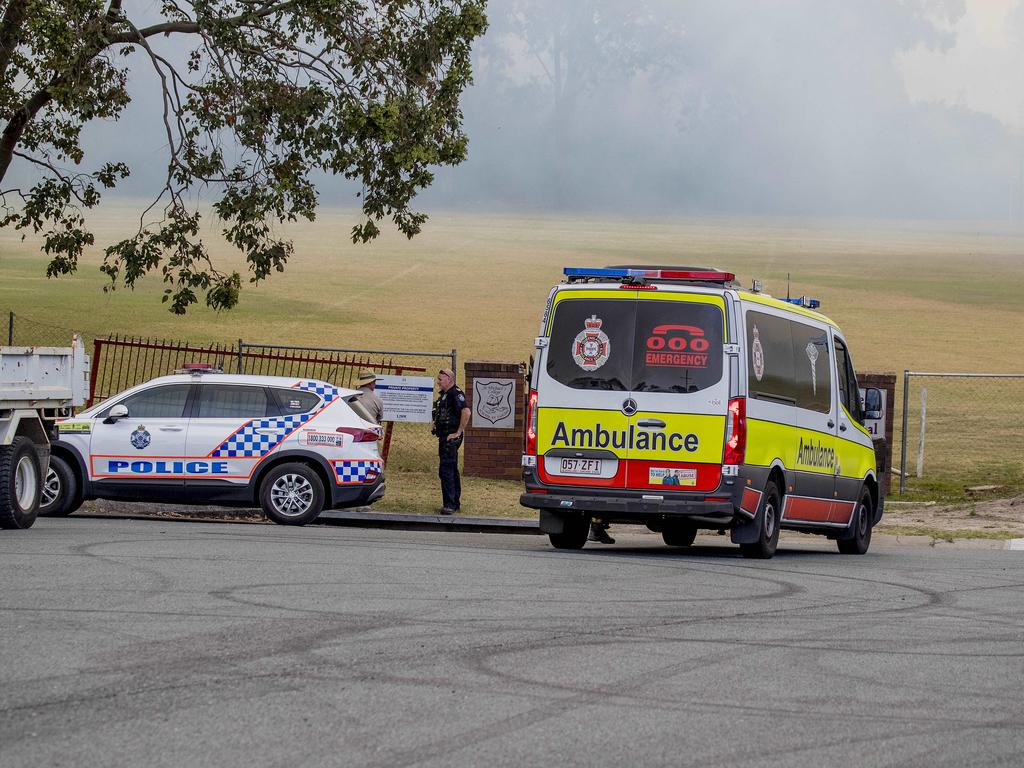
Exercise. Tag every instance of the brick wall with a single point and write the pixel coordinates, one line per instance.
(887, 383)
(495, 453)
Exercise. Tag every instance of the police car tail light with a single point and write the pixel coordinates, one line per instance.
(531, 424)
(360, 435)
(736, 431)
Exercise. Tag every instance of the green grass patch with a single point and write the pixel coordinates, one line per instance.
(939, 534)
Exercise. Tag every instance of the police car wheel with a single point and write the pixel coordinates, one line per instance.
(574, 534)
(20, 483)
(59, 497)
(768, 538)
(679, 535)
(860, 541)
(292, 494)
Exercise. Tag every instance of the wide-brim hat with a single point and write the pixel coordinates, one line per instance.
(366, 376)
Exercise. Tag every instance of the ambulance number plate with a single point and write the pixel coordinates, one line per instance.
(580, 467)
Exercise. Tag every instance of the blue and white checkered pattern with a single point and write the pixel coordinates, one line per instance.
(247, 443)
(354, 471)
(326, 391)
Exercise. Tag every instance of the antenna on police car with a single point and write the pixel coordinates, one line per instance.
(787, 286)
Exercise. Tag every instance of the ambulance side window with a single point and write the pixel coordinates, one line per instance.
(848, 394)
(813, 368)
(770, 359)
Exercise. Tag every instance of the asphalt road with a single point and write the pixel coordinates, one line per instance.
(165, 643)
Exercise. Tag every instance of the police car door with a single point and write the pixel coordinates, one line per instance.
(230, 432)
(681, 390)
(139, 454)
(583, 398)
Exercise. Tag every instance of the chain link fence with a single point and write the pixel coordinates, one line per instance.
(961, 431)
(22, 330)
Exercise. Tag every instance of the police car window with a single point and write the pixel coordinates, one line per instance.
(678, 346)
(591, 344)
(167, 402)
(812, 368)
(296, 401)
(770, 374)
(222, 401)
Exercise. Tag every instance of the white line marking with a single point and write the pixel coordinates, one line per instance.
(1015, 544)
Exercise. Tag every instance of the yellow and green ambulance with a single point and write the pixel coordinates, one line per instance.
(670, 397)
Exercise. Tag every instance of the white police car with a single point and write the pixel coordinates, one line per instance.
(293, 446)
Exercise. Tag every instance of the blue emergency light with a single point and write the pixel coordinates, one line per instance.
(704, 275)
(803, 301)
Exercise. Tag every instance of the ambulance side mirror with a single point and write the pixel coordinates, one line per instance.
(119, 411)
(872, 403)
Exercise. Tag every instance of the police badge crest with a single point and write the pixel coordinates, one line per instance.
(140, 438)
(591, 347)
(493, 400)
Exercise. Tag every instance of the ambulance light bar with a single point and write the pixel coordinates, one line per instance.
(803, 301)
(580, 273)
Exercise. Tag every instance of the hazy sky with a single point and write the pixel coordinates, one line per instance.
(873, 108)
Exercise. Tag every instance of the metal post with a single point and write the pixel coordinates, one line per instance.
(454, 371)
(10, 329)
(903, 438)
(239, 357)
(920, 440)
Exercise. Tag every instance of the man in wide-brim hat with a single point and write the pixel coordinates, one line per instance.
(370, 400)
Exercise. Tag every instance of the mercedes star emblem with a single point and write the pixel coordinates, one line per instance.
(629, 406)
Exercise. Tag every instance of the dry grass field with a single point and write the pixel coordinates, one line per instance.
(909, 295)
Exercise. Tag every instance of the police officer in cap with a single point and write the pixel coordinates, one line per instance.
(451, 417)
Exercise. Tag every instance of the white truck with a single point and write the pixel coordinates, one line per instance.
(38, 385)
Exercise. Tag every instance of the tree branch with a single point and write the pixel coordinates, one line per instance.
(192, 27)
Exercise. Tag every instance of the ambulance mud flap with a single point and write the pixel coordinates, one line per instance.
(554, 522)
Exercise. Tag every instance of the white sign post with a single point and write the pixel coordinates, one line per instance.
(406, 398)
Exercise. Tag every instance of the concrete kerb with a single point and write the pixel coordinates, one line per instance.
(455, 523)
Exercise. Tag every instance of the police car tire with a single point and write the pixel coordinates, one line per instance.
(679, 535)
(769, 516)
(574, 534)
(67, 499)
(860, 541)
(300, 471)
(20, 484)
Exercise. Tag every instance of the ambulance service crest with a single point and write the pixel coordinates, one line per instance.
(140, 438)
(591, 347)
(757, 355)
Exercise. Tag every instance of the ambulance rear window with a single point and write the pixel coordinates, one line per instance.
(641, 346)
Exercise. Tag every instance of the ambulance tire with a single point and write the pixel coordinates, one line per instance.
(860, 541)
(681, 535)
(21, 480)
(574, 533)
(768, 536)
(292, 494)
(60, 495)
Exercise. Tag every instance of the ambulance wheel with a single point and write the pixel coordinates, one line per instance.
(574, 533)
(292, 494)
(768, 536)
(681, 535)
(20, 483)
(59, 497)
(860, 541)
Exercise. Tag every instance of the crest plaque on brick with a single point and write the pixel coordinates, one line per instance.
(492, 404)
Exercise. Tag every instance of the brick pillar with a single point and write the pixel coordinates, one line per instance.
(887, 383)
(494, 441)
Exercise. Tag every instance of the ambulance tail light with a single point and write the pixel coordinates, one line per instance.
(531, 424)
(360, 435)
(736, 431)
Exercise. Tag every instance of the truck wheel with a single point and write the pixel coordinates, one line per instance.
(770, 515)
(292, 494)
(59, 497)
(574, 534)
(20, 483)
(681, 535)
(860, 541)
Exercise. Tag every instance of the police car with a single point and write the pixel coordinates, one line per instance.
(294, 447)
(670, 397)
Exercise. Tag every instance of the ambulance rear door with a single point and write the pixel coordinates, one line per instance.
(679, 383)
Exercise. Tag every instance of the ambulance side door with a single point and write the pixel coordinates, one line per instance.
(231, 430)
(854, 447)
(133, 456)
(817, 417)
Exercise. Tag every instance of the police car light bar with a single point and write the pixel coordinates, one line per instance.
(197, 368)
(803, 301)
(579, 273)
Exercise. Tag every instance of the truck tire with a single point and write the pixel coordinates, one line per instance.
(292, 494)
(60, 496)
(20, 483)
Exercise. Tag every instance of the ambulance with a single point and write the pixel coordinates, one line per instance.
(672, 398)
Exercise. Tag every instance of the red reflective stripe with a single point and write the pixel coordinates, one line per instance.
(751, 499)
(803, 508)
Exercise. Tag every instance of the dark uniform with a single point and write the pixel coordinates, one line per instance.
(447, 412)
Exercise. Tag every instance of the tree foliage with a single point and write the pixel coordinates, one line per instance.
(258, 97)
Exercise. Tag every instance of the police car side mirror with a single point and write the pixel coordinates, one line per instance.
(119, 411)
(872, 403)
